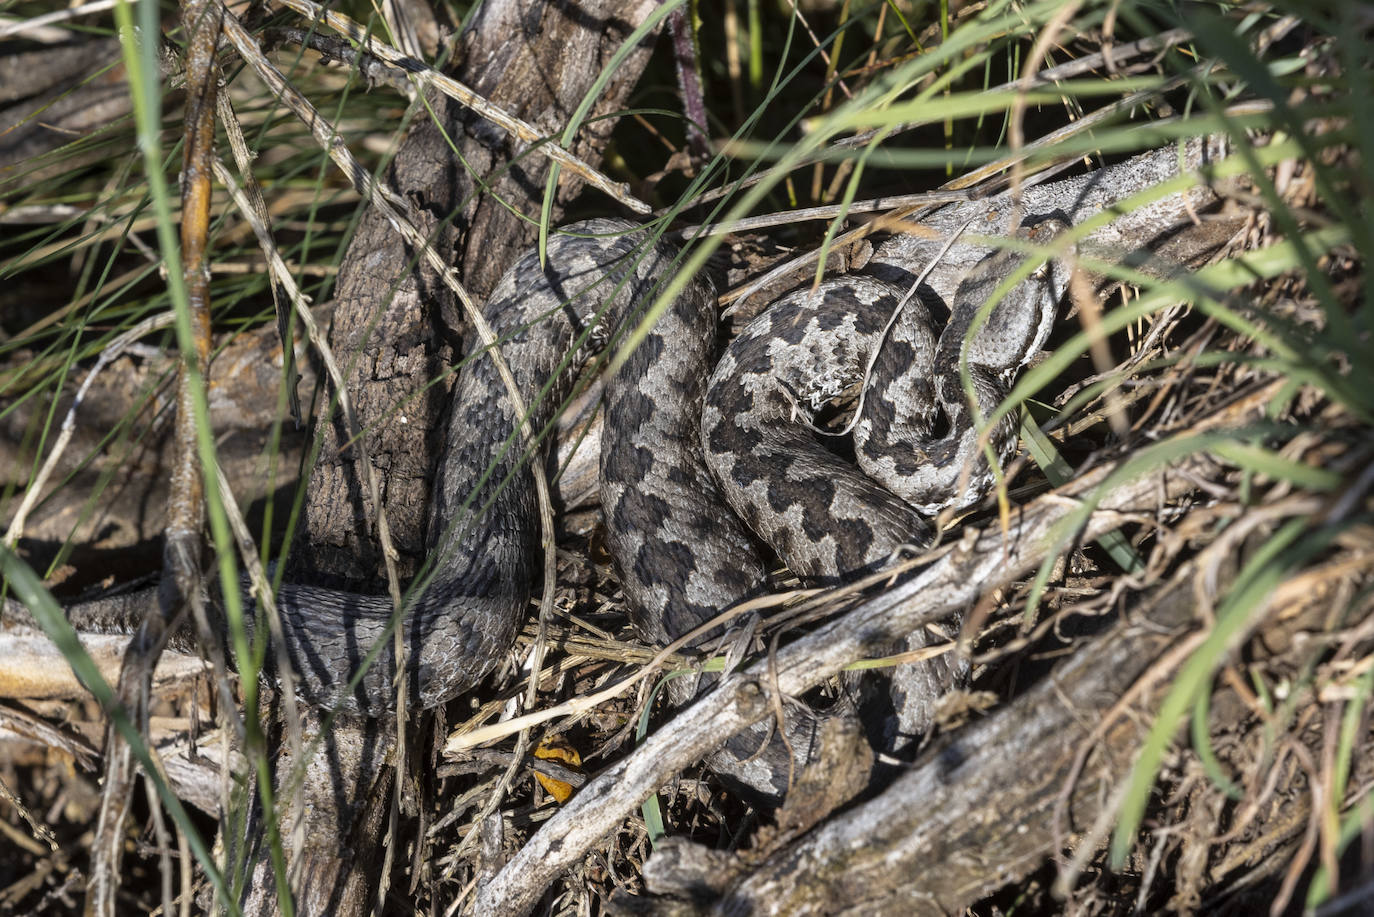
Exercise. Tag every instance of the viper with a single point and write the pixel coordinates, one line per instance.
(711, 470)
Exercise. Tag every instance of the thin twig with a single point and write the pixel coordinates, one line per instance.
(180, 588)
(824, 212)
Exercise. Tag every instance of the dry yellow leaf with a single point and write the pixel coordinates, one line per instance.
(556, 749)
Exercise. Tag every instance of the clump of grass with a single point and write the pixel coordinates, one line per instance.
(927, 102)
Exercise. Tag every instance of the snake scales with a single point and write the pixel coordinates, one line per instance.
(688, 453)
(682, 556)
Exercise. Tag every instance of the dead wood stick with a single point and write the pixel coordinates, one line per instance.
(983, 561)
(978, 812)
(986, 807)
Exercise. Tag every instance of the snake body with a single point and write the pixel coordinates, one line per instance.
(691, 455)
(673, 523)
(822, 518)
(657, 495)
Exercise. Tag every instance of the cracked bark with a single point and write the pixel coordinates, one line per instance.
(392, 331)
(536, 62)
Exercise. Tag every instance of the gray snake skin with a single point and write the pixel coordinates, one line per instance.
(691, 456)
(681, 554)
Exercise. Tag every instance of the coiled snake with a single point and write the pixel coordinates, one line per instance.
(681, 554)
(690, 456)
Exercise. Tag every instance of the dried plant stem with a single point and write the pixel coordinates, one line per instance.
(186, 515)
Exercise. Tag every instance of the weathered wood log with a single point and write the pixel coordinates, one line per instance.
(534, 62)
(1040, 776)
(980, 562)
(974, 814)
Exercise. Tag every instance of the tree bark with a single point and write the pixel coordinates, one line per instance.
(536, 61)
(391, 332)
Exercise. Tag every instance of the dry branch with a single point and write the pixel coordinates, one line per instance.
(980, 562)
(181, 584)
(395, 286)
(984, 808)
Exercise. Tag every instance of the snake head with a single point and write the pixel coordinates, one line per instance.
(998, 321)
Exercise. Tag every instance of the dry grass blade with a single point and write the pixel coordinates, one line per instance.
(40, 28)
